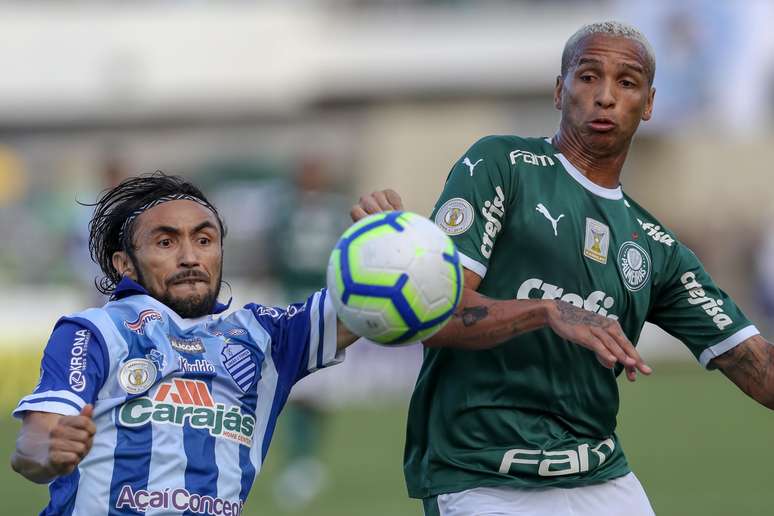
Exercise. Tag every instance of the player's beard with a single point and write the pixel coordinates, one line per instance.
(187, 307)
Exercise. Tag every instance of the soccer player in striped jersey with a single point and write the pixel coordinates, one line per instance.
(155, 402)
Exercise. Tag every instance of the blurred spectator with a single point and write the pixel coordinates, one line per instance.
(310, 219)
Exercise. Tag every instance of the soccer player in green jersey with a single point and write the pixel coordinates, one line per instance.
(514, 410)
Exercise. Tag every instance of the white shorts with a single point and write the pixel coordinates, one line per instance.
(623, 496)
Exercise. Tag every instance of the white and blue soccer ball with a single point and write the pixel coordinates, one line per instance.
(394, 278)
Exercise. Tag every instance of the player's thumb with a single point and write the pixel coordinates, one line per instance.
(87, 411)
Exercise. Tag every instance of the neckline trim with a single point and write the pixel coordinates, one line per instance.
(608, 193)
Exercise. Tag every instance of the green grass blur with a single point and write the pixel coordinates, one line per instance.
(698, 445)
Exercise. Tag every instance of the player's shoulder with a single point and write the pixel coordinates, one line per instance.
(654, 232)
(508, 143)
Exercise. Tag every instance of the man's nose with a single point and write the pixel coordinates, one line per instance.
(188, 256)
(605, 97)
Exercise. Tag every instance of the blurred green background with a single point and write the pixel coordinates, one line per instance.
(697, 444)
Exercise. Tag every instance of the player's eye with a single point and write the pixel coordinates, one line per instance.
(587, 77)
(165, 242)
(627, 83)
(204, 241)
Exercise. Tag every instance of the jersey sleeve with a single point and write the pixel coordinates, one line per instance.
(72, 371)
(303, 335)
(689, 306)
(474, 201)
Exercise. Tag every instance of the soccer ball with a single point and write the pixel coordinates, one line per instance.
(394, 278)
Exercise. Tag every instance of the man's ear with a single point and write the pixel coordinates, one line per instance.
(124, 265)
(558, 92)
(648, 112)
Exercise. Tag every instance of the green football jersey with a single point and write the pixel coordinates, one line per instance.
(539, 411)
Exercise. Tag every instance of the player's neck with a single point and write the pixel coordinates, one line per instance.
(601, 168)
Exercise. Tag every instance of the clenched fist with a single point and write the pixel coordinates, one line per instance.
(376, 202)
(51, 445)
(70, 441)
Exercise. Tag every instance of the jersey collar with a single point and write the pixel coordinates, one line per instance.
(128, 287)
(607, 193)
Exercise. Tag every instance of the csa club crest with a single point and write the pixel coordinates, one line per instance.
(634, 264)
(242, 364)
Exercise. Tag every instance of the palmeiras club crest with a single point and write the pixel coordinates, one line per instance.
(242, 363)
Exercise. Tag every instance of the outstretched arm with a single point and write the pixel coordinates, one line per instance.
(344, 337)
(481, 323)
(750, 365)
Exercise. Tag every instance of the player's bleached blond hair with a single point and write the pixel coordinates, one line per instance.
(608, 28)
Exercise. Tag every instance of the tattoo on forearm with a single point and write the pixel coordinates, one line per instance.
(750, 365)
(471, 315)
(571, 314)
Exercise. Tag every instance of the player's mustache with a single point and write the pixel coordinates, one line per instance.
(188, 275)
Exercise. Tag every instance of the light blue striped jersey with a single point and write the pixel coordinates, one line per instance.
(184, 408)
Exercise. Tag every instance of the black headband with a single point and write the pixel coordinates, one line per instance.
(156, 202)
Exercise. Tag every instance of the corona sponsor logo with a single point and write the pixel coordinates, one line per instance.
(184, 402)
(143, 318)
(78, 360)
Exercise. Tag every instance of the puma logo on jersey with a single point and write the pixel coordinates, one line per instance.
(540, 208)
(470, 165)
(530, 158)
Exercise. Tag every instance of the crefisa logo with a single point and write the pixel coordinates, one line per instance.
(143, 318)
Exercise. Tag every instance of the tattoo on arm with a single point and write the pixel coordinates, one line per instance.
(571, 314)
(471, 315)
(750, 365)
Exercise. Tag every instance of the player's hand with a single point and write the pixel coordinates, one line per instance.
(376, 202)
(601, 335)
(70, 440)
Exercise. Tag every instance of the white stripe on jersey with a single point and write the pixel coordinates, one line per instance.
(330, 354)
(115, 346)
(473, 265)
(55, 407)
(314, 332)
(93, 495)
(226, 455)
(67, 395)
(164, 472)
(726, 344)
(267, 389)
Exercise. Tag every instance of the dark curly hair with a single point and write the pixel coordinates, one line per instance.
(111, 227)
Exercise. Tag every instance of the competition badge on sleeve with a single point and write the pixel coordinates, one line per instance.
(137, 375)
